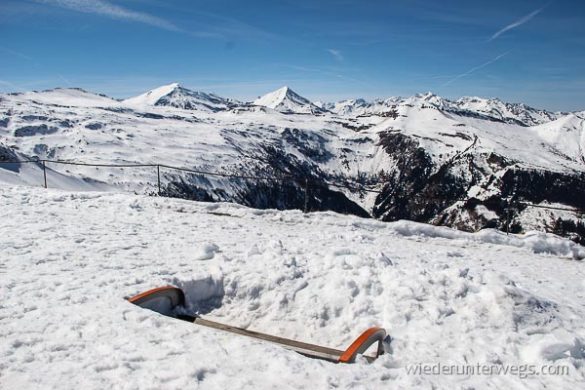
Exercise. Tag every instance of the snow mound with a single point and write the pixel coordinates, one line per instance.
(537, 242)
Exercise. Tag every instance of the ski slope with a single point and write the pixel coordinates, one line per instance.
(69, 259)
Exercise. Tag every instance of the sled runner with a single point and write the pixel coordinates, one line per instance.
(166, 299)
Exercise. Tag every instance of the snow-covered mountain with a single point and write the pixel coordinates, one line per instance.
(74, 97)
(508, 112)
(174, 95)
(286, 100)
(345, 107)
(433, 160)
(491, 109)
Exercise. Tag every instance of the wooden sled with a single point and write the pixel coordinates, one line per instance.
(166, 299)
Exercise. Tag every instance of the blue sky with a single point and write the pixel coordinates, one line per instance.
(526, 50)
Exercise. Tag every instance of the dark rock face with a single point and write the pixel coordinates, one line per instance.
(416, 189)
(8, 154)
(420, 190)
(30, 118)
(192, 100)
(149, 115)
(574, 230)
(94, 126)
(28, 131)
(43, 151)
(539, 186)
(66, 124)
(269, 194)
(311, 145)
(285, 182)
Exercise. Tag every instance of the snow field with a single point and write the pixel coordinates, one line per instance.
(69, 259)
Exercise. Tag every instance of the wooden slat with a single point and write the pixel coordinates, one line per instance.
(310, 350)
(298, 346)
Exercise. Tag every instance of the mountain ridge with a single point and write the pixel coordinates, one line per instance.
(422, 154)
(285, 100)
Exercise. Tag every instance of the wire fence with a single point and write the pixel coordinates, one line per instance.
(280, 177)
(303, 182)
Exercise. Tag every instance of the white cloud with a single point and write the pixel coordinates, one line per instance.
(15, 53)
(517, 23)
(102, 7)
(10, 85)
(475, 68)
(336, 53)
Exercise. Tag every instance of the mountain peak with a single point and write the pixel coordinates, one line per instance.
(165, 89)
(174, 85)
(151, 97)
(285, 99)
(272, 99)
(175, 95)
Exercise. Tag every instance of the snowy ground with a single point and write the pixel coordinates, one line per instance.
(68, 259)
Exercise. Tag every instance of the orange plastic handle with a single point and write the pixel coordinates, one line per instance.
(362, 343)
(137, 299)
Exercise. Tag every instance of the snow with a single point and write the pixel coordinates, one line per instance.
(286, 100)
(31, 174)
(175, 96)
(210, 141)
(69, 97)
(272, 99)
(69, 259)
(221, 135)
(505, 111)
(174, 126)
(151, 97)
(491, 109)
(553, 146)
(538, 242)
(566, 136)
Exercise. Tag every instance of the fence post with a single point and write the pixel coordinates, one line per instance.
(507, 217)
(45, 173)
(158, 178)
(306, 209)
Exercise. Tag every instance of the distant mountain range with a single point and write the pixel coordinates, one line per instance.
(448, 162)
(286, 100)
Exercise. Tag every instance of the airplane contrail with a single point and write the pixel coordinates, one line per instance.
(475, 68)
(517, 23)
